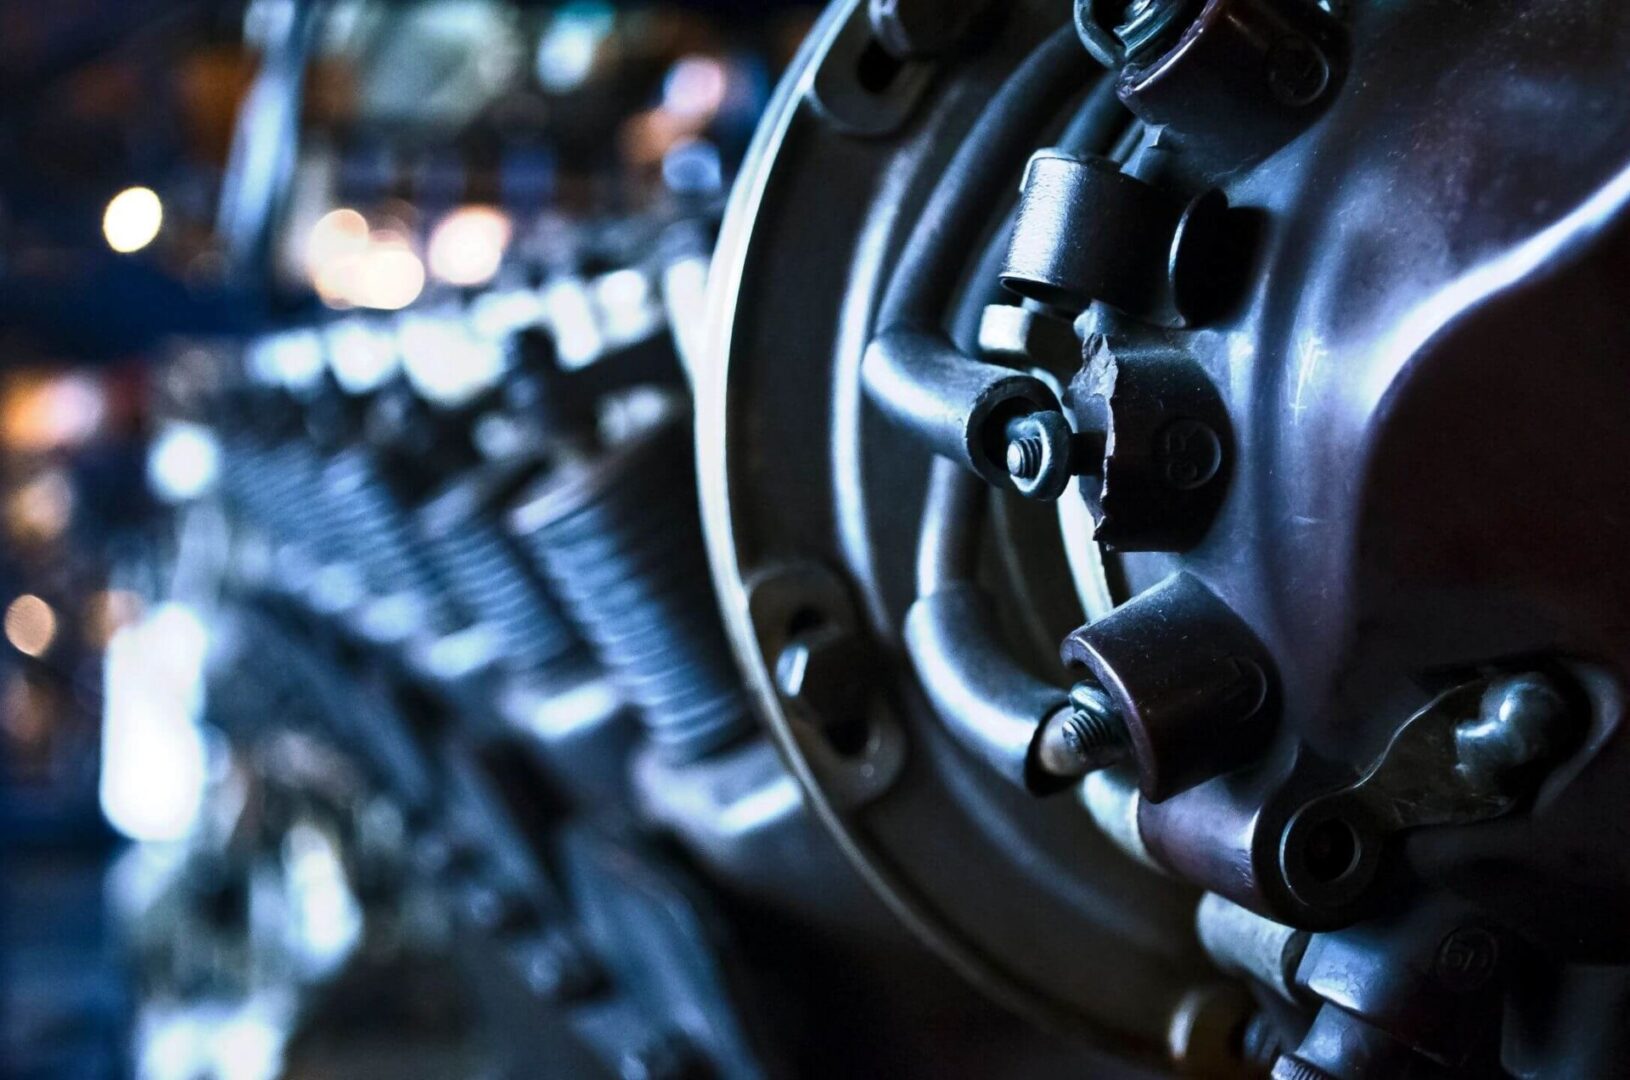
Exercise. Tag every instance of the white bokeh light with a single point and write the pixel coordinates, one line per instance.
(467, 246)
(154, 762)
(132, 219)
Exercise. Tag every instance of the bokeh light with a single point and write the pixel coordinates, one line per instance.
(183, 462)
(391, 276)
(31, 625)
(352, 265)
(132, 219)
(467, 246)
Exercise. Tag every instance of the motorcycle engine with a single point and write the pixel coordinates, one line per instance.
(1163, 502)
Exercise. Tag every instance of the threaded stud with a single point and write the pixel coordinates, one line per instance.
(1087, 736)
(1090, 736)
(1024, 457)
(1294, 1068)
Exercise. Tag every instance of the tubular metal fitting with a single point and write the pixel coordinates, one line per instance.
(957, 406)
(1192, 687)
(1241, 942)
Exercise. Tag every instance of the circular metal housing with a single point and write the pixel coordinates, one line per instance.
(1411, 472)
(1023, 895)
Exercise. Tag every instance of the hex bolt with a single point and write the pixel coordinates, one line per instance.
(924, 29)
(1087, 736)
(1522, 721)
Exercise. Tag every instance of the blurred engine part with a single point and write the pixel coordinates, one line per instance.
(444, 577)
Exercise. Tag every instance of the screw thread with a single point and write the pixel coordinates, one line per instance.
(1092, 735)
(1294, 1068)
(1024, 456)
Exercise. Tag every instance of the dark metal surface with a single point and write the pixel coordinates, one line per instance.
(1168, 446)
(1321, 312)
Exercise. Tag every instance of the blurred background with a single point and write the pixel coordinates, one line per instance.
(415, 227)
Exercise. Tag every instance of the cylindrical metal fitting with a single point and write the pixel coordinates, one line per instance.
(492, 579)
(1241, 942)
(377, 529)
(1088, 231)
(1189, 680)
(619, 539)
(956, 406)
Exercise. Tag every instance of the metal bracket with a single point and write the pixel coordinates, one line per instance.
(1434, 772)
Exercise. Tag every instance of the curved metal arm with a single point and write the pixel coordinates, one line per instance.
(956, 405)
(990, 704)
